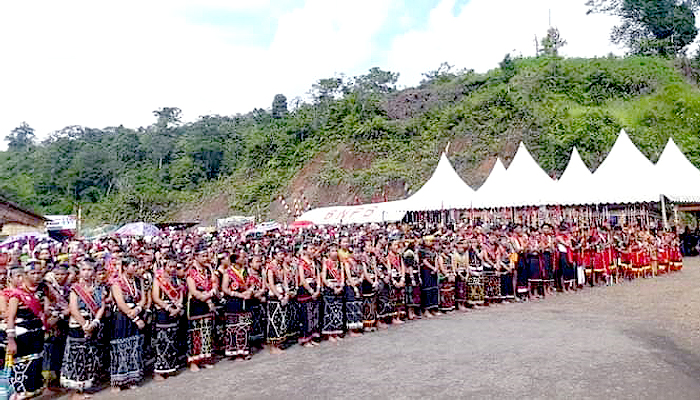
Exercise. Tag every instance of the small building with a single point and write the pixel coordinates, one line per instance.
(15, 219)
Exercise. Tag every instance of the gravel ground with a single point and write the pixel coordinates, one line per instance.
(636, 340)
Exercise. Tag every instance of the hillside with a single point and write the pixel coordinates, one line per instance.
(358, 138)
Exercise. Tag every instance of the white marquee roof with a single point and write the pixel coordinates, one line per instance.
(625, 176)
(494, 188)
(679, 179)
(443, 191)
(524, 183)
(576, 183)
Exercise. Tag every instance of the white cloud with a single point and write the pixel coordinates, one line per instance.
(107, 63)
(481, 32)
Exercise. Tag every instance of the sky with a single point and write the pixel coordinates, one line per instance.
(100, 64)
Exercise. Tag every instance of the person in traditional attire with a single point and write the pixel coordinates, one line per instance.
(412, 280)
(333, 278)
(446, 281)
(57, 323)
(168, 294)
(127, 367)
(429, 277)
(291, 271)
(309, 284)
(352, 295)
(257, 303)
(460, 263)
(370, 283)
(397, 272)
(475, 283)
(202, 288)
(27, 306)
(277, 300)
(236, 287)
(82, 361)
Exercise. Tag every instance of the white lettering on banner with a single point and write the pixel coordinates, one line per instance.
(61, 222)
(369, 212)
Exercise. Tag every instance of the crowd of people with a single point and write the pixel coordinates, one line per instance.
(85, 312)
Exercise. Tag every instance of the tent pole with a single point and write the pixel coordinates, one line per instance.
(663, 212)
(675, 216)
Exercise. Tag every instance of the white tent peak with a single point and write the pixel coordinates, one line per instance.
(524, 165)
(679, 178)
(574, 185)
(445, 189)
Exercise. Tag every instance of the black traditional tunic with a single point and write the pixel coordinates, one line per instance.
(82, 360)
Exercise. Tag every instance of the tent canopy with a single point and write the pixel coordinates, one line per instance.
(576, 183)
(523, 183)
(625, 176)
(494, 187)
(443, 191)
(678, 178)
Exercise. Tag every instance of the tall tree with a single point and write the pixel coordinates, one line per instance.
(21, 138)
(279, 106)
(651, 27)
(552, 43)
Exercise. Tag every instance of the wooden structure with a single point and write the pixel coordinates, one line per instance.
(13, 213)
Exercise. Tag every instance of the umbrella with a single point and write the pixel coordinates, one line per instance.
(98, 232)
(24, 237)
(138, 229)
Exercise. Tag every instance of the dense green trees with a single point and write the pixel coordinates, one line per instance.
(122, 174)
(651, 27)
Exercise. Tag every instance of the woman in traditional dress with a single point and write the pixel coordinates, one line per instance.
(309, 284)
(446, 282)
(333, 278)
(291, 270)
(57, 323)
(169, 299)
(412, 280)
(397, 273)
(353, 296)
(429, 278)
(475, 283)
(26, 311)
(370, 283)
(257, 303)
(202, 287)
(277, 300)
(238, 318)
(460, 263)
(81, 362)
(127, 340)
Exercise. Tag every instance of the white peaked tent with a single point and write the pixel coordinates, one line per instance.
(523, 184)
(494, 188)
(625, 176)
(679, 179)
(576, 183)
(443, 191)
(530, 185)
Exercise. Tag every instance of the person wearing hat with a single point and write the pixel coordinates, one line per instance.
(202, 288)
(27, 304)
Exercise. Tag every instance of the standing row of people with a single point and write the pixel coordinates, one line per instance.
(110, 312)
